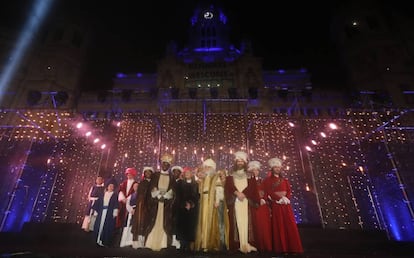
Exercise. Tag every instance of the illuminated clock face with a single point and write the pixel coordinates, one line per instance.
(208, 15)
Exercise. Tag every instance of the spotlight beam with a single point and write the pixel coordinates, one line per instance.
(384, 125)
(39, 10)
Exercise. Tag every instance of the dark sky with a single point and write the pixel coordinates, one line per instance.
(132, 35)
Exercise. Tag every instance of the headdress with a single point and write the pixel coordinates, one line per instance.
(111, 180)
(148, 168)
(253, 165)
(209, 163)
(177, 167)
(240, 155)
(167, 158)
(131, 171)
(275, 162)
(187, 169)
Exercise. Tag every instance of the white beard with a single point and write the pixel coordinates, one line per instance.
(210, 172)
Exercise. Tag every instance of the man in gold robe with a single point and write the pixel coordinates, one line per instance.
(213, 224)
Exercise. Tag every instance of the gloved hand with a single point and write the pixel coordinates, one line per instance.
(168, 195)
(283, 200)
(155, 193)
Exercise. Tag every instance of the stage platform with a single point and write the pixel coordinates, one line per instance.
(68, 240)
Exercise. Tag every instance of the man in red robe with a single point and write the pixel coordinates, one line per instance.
(263, 228)
(285, 232)
(125, 190)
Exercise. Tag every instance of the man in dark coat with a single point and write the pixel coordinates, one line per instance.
(160, 201)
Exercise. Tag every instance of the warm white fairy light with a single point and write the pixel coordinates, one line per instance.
(333, 126)
(270, 136)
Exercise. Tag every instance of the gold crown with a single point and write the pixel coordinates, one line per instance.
(167, 158)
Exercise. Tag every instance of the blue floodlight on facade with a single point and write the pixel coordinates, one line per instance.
(208, 49)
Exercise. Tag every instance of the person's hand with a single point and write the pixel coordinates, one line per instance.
(187, 205)
(155, 193)
(240, 196)
(280, 194)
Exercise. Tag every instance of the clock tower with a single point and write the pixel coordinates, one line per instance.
(210, 67)
(209, 29)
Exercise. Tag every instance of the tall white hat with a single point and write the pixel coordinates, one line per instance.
(209, 163)
(240, 155)
(275, 162)
(253, 165)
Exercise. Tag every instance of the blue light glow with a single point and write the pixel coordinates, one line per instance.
(208, 49)
(398, 218)
(120, 75)
(39, 9)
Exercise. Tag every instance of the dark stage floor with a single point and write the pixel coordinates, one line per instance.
(68, 240)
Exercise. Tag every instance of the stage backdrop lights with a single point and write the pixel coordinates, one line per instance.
(356, 176)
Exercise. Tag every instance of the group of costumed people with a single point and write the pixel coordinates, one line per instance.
(202, 209)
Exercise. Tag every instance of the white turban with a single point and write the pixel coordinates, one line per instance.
(240, 155)
(209, 163)
(148, 168)
(177, 167)
(275, 162)
(253, 165)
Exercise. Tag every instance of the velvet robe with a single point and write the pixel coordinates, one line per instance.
(108, 231)
(285, 232)
(263, 228)
(208, 218)
(187, 192)
(123, 214)
(138, 219)
(252, 194)
(152, 207)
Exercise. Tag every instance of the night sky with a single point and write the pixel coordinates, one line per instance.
(132, 35)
